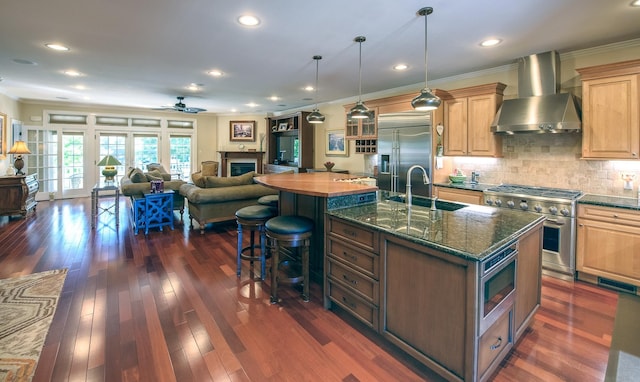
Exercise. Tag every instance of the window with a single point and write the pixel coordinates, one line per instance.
(180, 151)
(43, 159)
(72, 161)
(145, 150)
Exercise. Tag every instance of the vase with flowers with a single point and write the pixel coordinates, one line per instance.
(329, 165)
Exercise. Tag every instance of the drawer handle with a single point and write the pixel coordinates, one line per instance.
(347, 302)
(352, 257)
(615, 215)
(349, 232)
(354, 282)
(497, 344)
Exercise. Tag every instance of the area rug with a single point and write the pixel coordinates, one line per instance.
(27, 305)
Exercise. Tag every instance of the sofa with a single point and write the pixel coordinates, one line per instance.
(136, 181)
(215, 199)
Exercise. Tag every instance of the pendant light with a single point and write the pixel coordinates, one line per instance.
(360, 111)
(316, 116)
(426, 100)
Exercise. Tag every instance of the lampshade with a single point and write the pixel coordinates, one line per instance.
(20, 147)
(316, 116)
(426, 100)
(109, 160)
(360, 111)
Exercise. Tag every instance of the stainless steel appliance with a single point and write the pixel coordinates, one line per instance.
(497, 284)
(404, 139)
(559, 207)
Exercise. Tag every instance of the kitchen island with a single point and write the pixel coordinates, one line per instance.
(454, 288)
(312, 195)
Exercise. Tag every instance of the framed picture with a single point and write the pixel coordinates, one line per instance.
(16, 130)
(3, 136)
(283, 126)
(242, 131)
(336, 143)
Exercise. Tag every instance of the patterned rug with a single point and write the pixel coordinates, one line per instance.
(27, 305)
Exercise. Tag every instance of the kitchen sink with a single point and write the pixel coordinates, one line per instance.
(426, 202)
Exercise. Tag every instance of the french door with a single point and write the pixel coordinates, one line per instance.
(131, 149)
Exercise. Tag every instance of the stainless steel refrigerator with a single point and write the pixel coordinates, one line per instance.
(404, 139)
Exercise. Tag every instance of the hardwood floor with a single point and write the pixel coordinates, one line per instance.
(169, 307)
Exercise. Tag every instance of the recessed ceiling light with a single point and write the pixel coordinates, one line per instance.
(635, 3)
(401, 67)
(234, 110)
(80, 87)
(72, 73)
(194, 87)
(215, 73)
(490, 42)
(252, 104)
(57, 47)
(309, 88)
(23, 61)
(248, 20)
(274, 98)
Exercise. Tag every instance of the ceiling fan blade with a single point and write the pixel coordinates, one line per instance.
(193, 110)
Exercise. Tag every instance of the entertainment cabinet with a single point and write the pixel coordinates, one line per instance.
(290, 141)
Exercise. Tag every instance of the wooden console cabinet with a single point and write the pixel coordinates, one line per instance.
(18, 194)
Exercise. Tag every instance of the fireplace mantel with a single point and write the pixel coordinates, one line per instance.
(226, 155)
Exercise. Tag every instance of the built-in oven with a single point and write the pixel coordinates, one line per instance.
(557, 239)
(497, 285)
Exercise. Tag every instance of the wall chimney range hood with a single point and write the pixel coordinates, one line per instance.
(539, 107)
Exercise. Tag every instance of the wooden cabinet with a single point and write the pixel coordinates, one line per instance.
(610, 111)
(459, 195)
(608, 245)
(362, 128)
(290, 141)
(468, 114)
(352, 270)
(528, 279)
(18, 194)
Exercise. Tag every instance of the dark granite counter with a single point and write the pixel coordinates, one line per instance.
(610, 201)
(624, 356)
(466, 186)
(473, 232)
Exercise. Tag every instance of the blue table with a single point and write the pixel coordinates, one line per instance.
(152, 210)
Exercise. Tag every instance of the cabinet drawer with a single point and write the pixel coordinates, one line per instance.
(495, 341)
(608, 214)
(365, 262)
(359, 235)
(367, 287)
(364, 311)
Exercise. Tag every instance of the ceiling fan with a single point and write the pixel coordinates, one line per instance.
(180, 106)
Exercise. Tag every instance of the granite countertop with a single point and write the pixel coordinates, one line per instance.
(466, 186)
(610, 201)
(473, 232)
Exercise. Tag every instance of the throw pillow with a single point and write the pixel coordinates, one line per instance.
(214, 181)
(137, 176)
(130, 171)
(210, 168)
(198, 180)
(156, 166)
(154, 175)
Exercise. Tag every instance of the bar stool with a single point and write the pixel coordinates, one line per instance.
(269, 200)
(289, 232)
(253, 218)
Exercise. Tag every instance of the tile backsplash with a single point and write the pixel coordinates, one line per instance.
(553, 160)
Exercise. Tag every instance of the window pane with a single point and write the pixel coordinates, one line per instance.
(180, 150)
(113, 144)
(145, 150)
(43, 159)
(72, 161)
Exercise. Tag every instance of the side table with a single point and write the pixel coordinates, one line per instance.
(96, 209)
(152, 210)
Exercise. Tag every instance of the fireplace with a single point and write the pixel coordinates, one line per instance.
(238, 168)
(241, 160)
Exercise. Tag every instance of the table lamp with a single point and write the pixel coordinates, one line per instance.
(19, 147)
(109, 162)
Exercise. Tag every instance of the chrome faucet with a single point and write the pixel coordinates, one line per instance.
(425, 178)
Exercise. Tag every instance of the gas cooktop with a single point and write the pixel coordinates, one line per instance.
(543, 192)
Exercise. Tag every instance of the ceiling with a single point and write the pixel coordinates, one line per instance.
(144, 53)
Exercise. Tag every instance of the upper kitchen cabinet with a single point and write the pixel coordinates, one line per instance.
(362, 128)
(289, 142)
(610, 109)
(468, 114)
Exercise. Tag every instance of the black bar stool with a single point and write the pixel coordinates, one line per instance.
(269, 200)
(254, 219)
(289, 232)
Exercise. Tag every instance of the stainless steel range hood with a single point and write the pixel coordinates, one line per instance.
(539, 107)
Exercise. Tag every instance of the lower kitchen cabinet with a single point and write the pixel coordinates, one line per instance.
(459, 195)
(608, 246)
(529, 279)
